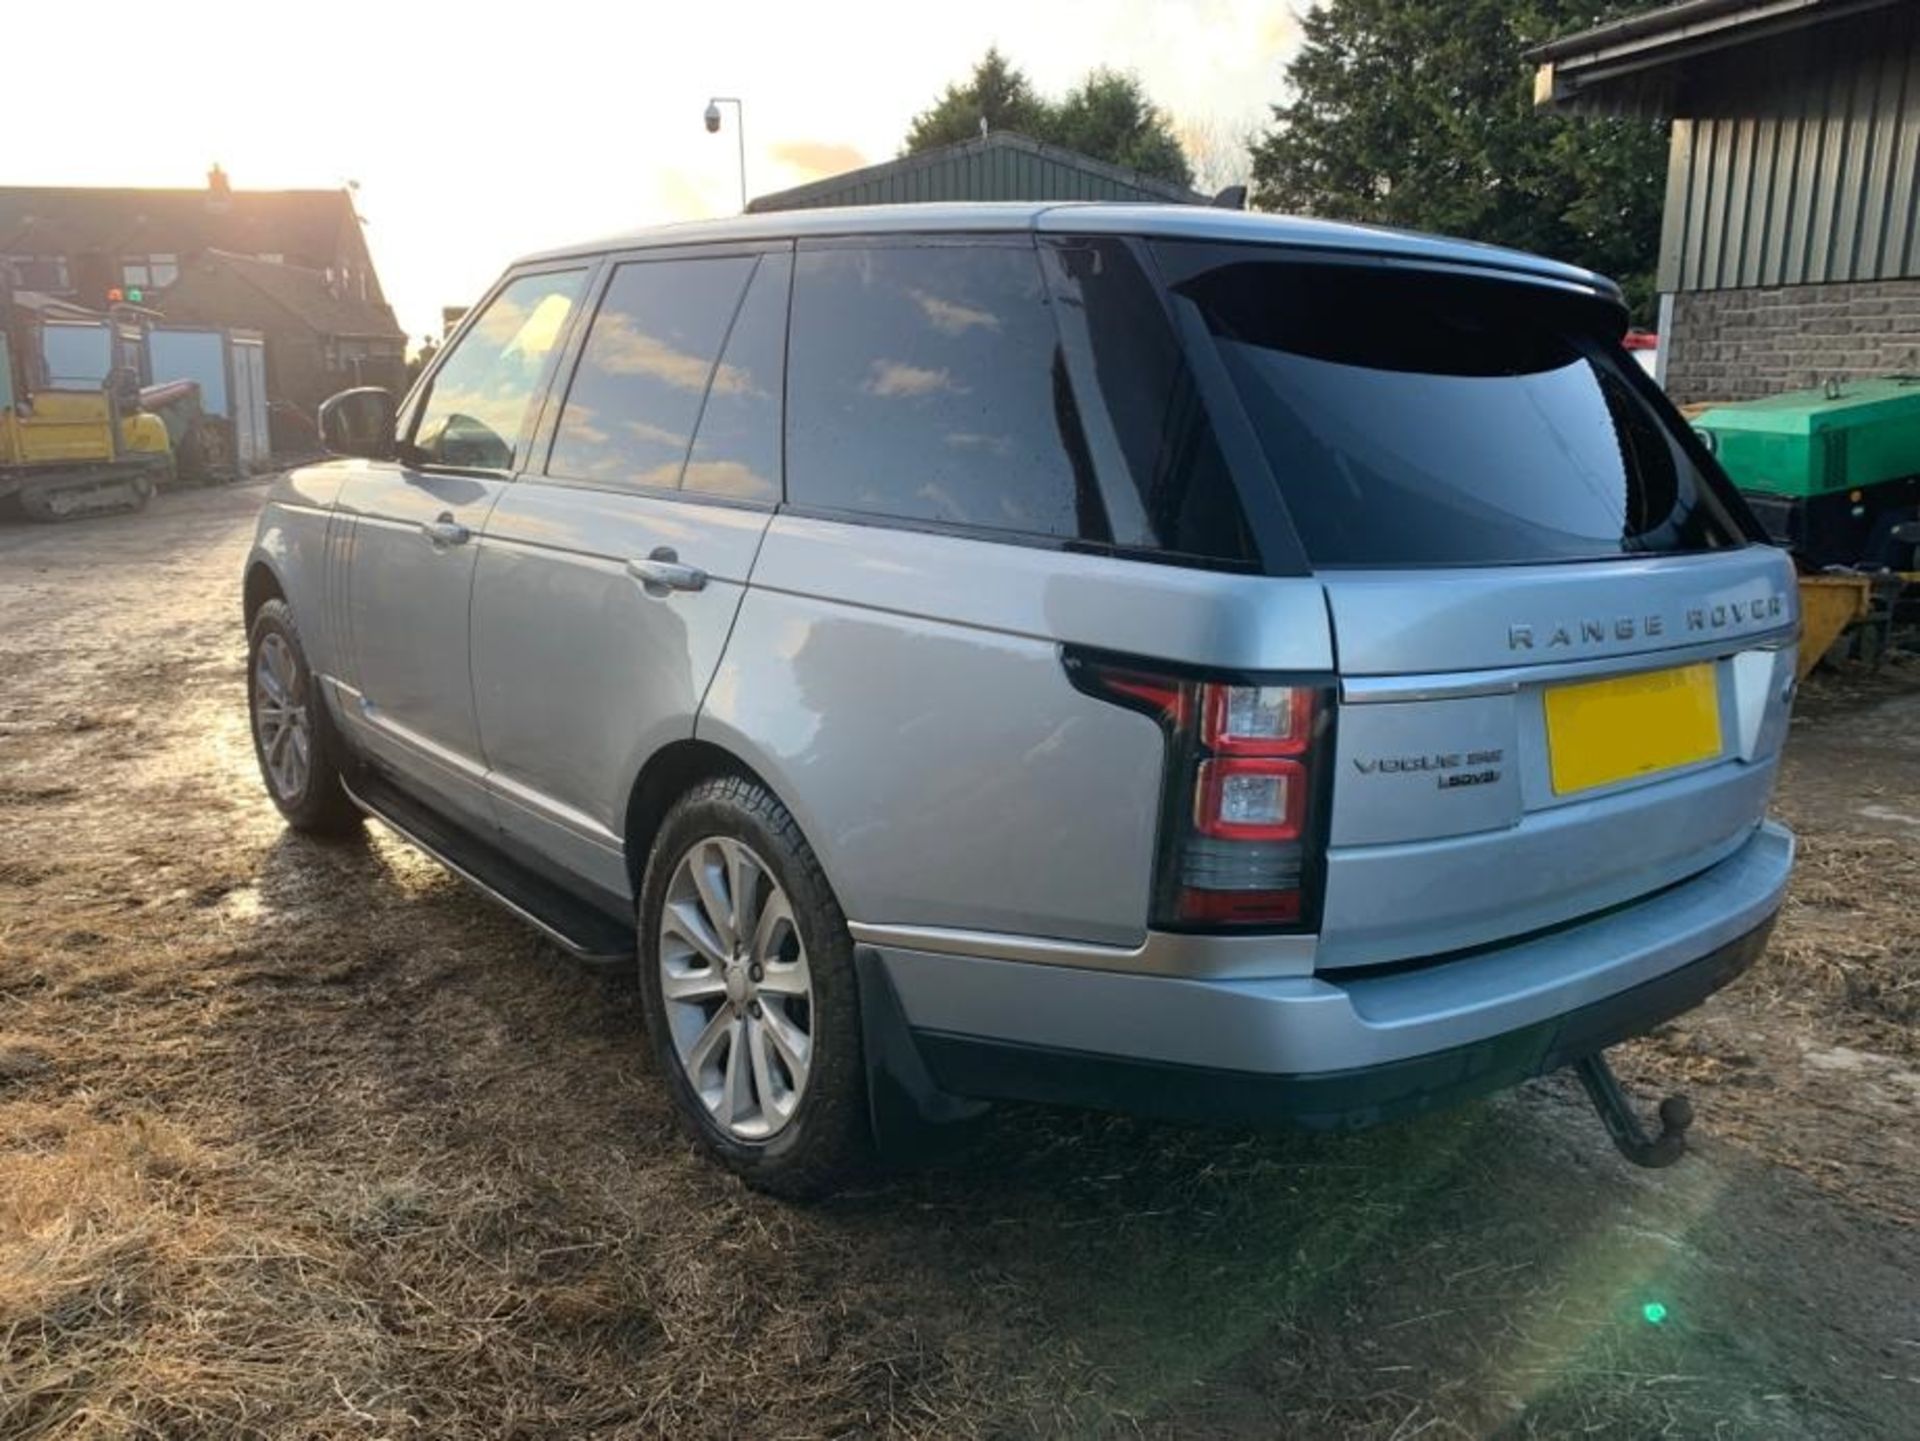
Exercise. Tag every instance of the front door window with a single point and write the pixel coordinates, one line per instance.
(477, 412)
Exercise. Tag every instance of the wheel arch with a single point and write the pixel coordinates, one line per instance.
(668, 774)
(261, 585)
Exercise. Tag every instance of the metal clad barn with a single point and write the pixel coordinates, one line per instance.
(998, 166)
(1790, 244)
(1798, 165)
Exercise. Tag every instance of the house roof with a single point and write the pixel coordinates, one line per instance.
(1172, 222)
(51, 307)
(303, 292)
(42, 220)
(1636, 63)
(1001, 165)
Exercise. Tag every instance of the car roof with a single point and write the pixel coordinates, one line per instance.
(1182, 222)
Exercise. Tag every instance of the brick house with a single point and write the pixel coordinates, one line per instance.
(292, 264)
(1790, 243)
(321, 336)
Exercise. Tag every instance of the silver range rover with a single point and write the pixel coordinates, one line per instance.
(1154, 658)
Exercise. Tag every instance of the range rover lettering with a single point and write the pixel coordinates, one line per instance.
(1213, 665)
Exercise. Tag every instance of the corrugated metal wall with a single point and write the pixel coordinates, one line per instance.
(976, 173)
(1798, 163)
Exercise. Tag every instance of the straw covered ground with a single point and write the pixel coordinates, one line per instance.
(302, 1140)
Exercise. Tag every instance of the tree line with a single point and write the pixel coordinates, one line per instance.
(1107, 115)
(1395, 112)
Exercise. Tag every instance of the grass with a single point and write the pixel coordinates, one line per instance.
(305, 1141)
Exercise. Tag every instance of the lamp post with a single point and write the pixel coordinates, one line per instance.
(740, 130)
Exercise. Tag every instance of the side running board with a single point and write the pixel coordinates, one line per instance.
(569, 922)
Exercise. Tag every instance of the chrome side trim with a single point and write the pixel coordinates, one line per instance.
(1369, 690)
(517, 793)
(368, 713)
(512, 907)
(1162, 953)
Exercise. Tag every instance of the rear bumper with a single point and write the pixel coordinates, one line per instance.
(1328, 1050)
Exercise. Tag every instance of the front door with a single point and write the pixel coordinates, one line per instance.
(407, 690)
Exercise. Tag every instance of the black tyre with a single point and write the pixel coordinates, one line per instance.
(293, 736)
(746, 971)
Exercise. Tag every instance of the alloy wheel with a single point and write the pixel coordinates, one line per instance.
(736, 988)
(280, 721)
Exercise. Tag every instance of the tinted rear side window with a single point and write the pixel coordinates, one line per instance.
(637, 391)
(1426, 420)
(926, 383)
(1166, 485)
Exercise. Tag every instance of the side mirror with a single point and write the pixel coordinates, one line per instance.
(1907, 532)
(359, 422)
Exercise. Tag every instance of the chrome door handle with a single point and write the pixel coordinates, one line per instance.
(661, 572)
(445, 531)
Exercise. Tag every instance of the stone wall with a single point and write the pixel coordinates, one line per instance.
(1742, 344)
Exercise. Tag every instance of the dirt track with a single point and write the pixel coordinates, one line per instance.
(300, 1140)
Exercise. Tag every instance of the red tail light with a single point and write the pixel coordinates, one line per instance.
(1238, 844)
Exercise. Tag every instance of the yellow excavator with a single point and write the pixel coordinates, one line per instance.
(70, 449)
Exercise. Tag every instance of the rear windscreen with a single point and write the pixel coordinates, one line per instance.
(1419, 419)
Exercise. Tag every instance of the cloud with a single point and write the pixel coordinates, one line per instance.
(727, 477)
(816, 158)
(975, 440)
(619, 347)
(950, 317)
(659, 434)
(896, 378)
(730, 379)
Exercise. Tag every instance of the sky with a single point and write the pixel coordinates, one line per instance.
(481, 131)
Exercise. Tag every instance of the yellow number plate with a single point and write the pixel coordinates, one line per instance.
(1602, 731)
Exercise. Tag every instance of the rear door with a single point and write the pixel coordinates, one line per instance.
(1565, 664)
(960, 515)
(609, 578)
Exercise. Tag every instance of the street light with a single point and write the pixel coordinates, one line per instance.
(740, 129)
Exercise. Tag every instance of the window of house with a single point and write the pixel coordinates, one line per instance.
(477, 408)
(46, 273)
(927, 384)
(150, 272)
(645, 369)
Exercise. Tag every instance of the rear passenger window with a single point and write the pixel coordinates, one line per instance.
(736, 450)
(636, 394)
(927, 384)
(1165, 482)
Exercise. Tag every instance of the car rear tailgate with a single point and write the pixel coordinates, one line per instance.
(1459, 817)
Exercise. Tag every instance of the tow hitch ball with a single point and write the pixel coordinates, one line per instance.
(1617, 1113)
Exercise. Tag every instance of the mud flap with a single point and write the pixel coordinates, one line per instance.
(911, 1117)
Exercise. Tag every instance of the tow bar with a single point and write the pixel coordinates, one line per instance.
(1623, 1124)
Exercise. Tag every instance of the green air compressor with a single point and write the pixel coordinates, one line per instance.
(1829, 472)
